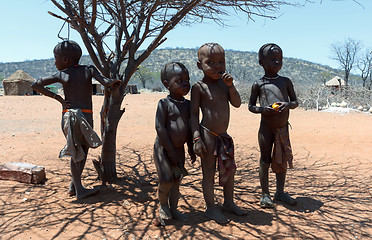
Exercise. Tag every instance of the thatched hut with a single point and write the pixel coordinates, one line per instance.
(19, 83)
(336, 82)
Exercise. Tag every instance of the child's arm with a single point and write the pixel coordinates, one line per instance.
(190, 149)
(265, 110)
(234, 96)
(198, 146)
(107, 82)
(39, 86)
(293, 103)
(160, 122)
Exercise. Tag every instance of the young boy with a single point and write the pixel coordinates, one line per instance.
(276, 96)
(77, 111)
(173, 131)
(211, 142)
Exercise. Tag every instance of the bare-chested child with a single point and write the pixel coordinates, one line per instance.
(173, 131)
(77, 111)
(212, 96)
(276, 96)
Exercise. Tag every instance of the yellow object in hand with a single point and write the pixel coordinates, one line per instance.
(275, 106)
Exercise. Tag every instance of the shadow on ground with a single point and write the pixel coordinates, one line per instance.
(333, 201)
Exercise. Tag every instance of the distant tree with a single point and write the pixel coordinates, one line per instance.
(325, 76)
(113, 31)
(346, 54)
(145, 75)
(365, 66)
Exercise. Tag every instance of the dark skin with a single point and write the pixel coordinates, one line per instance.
(76, 81)
(271, 89)
(213, 96)
(173, 131)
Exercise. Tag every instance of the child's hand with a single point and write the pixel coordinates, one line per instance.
(283, 106)
(227, 79)
(199, 148)
(269, 110)
(192, 155)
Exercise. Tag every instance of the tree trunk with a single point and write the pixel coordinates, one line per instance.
(110, 117)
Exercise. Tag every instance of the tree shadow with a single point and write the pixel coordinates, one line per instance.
(333, 200)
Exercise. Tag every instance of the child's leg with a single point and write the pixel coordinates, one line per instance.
(208, 162)
(174, 195)
(163, 195)
(76, 170)
(265, 141)
(228, 192)
(280, 182)
(81, 165)
(280, 195)
(166, 179)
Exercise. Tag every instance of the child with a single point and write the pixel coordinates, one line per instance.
(77, 111)
(173, 131)
(276, 96)
(212, 95)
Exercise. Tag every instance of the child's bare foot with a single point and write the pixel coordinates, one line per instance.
(232, 207)
(215, 214)
(178, 215)
(164, 212)
(86, 193)
(71, 189)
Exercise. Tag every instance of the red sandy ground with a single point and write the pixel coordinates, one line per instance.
(331, 179)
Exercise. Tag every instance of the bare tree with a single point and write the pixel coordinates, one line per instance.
(365, 66)
(346, 54)
(129, 25)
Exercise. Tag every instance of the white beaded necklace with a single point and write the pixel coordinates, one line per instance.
(175, 100)
(271, 78)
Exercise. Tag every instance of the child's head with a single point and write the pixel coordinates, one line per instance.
(271, 58)
(175, 77)
(67, 54)
(211, 60)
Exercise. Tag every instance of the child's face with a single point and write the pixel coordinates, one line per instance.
(60, 61)
(212, 62)
(179, 83)
(272, 61)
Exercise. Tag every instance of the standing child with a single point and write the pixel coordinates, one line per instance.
(77, 120)
(276, 96)
(212, 96)
(173, 131)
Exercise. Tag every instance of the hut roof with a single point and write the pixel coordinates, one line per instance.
(19, 75)
(334, 82)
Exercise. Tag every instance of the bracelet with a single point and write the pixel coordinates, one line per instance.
(195, 139)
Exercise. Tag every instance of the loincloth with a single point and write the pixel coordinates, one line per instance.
(282, 156)
(77, 131)
(224, 152)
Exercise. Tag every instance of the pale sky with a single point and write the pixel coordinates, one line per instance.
(28, 32)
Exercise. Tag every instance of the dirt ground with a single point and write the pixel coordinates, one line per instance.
(331, 179)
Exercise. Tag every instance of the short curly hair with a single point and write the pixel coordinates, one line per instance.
(270, 46)
(169, 69)
(69, 49)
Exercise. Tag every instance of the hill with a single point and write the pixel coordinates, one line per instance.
(242, 65)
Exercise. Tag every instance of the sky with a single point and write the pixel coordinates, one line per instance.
(28, 32)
